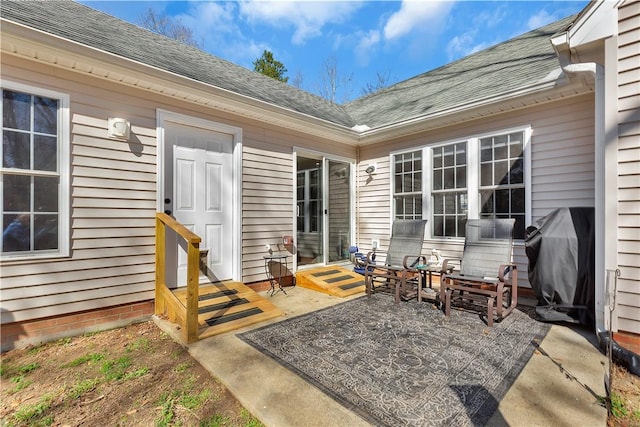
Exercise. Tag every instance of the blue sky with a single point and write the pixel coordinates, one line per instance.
(364, 39)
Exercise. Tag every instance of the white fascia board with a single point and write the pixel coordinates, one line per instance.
(23, 41)
(597, 22)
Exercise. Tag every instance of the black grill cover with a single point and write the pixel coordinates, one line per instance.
(561, 252)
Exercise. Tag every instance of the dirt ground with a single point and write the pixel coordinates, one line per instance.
(625, 398)
(132, 376)
(138, 376)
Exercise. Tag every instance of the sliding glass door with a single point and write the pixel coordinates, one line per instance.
(323, 210)
(338, 208)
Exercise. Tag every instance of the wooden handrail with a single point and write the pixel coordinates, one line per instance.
(183, 231)
(165, 302)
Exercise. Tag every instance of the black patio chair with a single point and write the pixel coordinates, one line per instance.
(487, 278)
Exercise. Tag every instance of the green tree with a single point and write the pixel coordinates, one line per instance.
(270, 67)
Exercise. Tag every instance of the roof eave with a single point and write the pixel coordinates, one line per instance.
(27, 42)
(523, 97)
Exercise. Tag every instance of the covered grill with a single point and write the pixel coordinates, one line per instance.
(561, 252)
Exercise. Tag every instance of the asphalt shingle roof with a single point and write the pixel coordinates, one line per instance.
(497, 70)
(494, 71)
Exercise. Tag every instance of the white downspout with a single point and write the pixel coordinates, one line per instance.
(595, 71)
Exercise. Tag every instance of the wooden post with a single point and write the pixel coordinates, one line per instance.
(193, 283)
(160, 266)
(165, 302)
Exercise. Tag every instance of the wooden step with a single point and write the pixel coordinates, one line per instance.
(332, 280)
(225, 306)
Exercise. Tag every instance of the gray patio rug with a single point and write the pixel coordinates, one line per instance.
(404, 364)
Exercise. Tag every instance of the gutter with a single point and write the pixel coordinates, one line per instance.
(592, 72)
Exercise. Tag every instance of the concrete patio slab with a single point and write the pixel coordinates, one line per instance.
(541, 396)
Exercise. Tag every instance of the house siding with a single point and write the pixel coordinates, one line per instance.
(628, 299)
(114, 197)
(562, 159)
(267, 206)
(268, 190)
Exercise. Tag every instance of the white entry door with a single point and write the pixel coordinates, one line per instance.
(201, 194)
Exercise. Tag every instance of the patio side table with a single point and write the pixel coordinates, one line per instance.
(427, 271)
(276, 267)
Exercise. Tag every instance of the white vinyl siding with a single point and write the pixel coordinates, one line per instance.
(267, 206)
(373, 195)
(628, 300)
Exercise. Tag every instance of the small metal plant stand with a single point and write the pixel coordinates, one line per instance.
(276, 267)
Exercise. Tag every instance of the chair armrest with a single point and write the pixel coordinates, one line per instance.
(446, 267)
(506, 269)
(371, 257)
(420, 259)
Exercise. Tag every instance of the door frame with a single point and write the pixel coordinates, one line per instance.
(165, 117)
(304, 152)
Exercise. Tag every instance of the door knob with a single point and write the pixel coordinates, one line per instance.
(167, 211)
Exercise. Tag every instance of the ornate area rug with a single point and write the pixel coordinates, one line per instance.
(404, 364)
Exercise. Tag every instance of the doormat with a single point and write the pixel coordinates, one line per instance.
(404, 364)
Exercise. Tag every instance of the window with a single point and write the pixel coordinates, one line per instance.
(33, 173)
(501, 189)
(478, 177)
(407, 189)
(309, 199)
(449, 189)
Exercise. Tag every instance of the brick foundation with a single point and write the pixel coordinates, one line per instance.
(34, 332)
(628, 340)
(265, 285)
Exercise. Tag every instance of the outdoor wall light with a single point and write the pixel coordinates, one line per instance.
(118, 128)
(370, 169)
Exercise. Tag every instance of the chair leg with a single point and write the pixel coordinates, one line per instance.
(500, 291)
(443, 290)
(490, 304)
(447, 303)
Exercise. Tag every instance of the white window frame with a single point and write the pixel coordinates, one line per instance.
(64, 150)
(429, 182)
(473, 176)
(392, 161)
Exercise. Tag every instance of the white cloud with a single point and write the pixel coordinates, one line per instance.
(307, 17)
(541, 19)
(216, 28)
(366, 45)
(205, 16)
(415, 15)
(490, 19)
(465, 44)
(244, 52)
